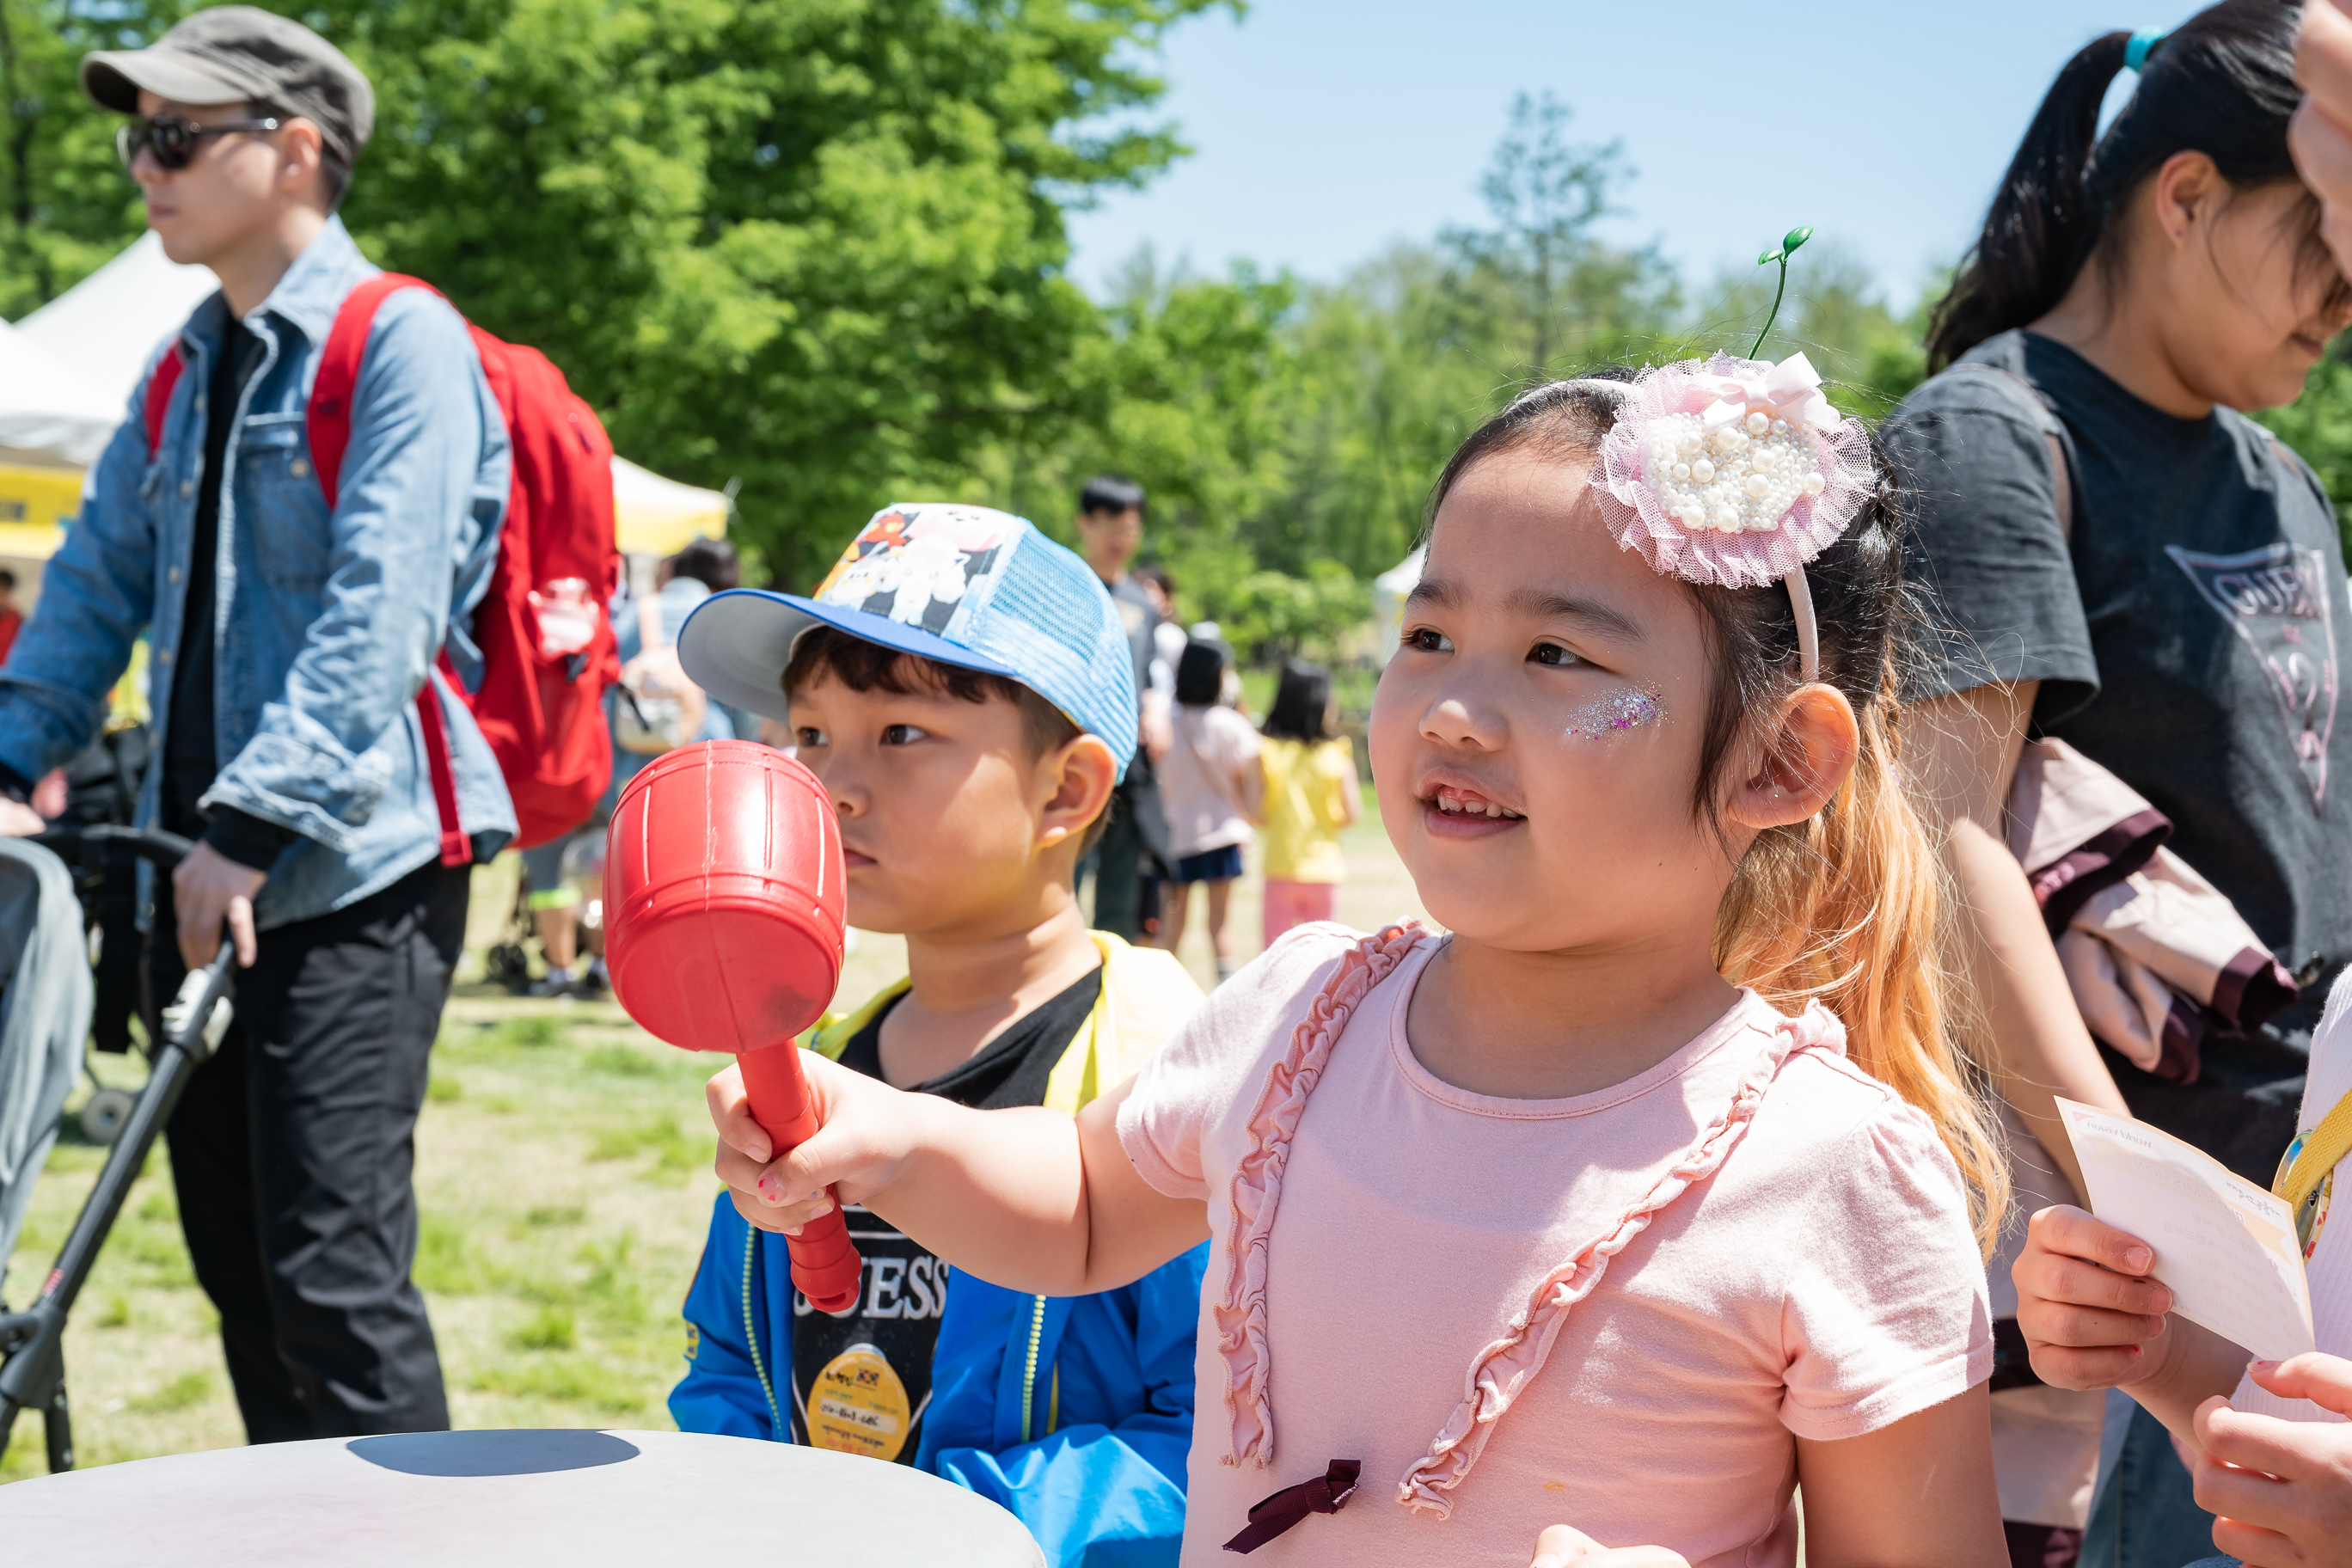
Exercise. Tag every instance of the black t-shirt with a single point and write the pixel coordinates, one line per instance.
(862, 1377)
(189, 762)
(2185, 634)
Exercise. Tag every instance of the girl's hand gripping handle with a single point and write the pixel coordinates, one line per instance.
(825, 1265)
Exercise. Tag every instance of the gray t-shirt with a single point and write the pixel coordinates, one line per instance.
(1139, 616)
(2185, 637)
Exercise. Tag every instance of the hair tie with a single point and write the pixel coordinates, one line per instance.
(2143, 44)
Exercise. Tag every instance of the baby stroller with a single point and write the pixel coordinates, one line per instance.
(45, 1019)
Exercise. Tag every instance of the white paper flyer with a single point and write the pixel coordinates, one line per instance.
(2224, 1247)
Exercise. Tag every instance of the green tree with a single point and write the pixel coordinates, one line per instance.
(2318, 427)
(66, 205)
(1551, 284)
(814, 245)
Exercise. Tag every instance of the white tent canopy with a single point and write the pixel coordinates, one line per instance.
(111, 323)
(48, 407)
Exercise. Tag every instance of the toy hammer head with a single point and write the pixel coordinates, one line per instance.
(723, 900)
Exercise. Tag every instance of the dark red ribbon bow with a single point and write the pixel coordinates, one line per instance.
(1326, 1493)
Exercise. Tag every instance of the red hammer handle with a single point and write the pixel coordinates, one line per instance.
(825, 1265)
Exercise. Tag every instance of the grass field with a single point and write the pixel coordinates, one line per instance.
(563, 1176)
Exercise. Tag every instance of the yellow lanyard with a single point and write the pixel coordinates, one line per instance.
(2314, 1155)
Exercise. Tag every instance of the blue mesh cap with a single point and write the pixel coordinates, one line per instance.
(966, 585)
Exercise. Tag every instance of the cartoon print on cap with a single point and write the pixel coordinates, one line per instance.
(916, 563)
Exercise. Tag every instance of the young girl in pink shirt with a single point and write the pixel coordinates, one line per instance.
(1652, 1189)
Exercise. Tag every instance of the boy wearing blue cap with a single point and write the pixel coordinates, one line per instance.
(963, 686)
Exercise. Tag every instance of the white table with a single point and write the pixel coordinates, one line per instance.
(573, 1498)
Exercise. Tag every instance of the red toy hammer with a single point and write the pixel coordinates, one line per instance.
(724, 914)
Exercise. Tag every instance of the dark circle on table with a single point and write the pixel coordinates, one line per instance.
(528, 1451)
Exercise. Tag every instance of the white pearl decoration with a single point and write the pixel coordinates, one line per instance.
(1756, 470)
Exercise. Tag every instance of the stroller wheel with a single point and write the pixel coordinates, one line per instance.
(103, 1114)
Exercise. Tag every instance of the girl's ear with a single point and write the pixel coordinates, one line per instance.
(1799, 761)
(2185, 189)
(1081, 777)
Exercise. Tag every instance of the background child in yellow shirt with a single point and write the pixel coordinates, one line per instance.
(1311, 793)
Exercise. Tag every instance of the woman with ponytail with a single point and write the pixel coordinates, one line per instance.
(1654, 1185)
(2126, 564)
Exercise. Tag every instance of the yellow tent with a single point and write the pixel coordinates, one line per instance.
(37, 499)
(655, 516)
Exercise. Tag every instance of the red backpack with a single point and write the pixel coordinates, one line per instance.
(548, 650)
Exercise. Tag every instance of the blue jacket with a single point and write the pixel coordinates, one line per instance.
(326, 622)
(1085, 1444)
(1073, 1412)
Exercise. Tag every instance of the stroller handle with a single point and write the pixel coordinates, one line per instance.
(71, 845)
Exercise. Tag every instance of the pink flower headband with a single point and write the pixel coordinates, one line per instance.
(1734, 472)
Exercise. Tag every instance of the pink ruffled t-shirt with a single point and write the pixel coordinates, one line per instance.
(1822, 1283)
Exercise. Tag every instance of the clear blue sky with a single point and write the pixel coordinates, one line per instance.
(1324, 128)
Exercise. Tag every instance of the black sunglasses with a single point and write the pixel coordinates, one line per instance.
(175, 141)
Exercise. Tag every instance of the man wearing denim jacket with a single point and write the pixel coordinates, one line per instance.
(290, 641)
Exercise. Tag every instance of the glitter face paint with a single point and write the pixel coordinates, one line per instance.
(1629, 708)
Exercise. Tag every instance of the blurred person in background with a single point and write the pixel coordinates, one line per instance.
(2134, 568)
(1311, 791)
(656, 708)
(555, 901)
(1168, 639)
(292, 640)
(1211, 786)
(1134, 849)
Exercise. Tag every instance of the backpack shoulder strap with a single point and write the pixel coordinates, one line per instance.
(328, 417)
(161, 384)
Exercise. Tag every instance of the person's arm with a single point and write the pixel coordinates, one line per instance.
(1029, 1199)
(412, 506)
(1157, 727)
(1963, 750)
(722, 1393)
(1249, 777)
(1917, 1491)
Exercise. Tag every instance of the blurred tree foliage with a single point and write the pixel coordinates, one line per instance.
(819, 247)
(815, 245)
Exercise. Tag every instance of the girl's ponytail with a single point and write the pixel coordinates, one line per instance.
(2040, 229)
(2222, 83)
(1850, 908)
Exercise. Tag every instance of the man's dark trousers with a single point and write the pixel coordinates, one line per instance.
(292, 1154)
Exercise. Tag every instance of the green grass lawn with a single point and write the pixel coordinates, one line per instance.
(563, 1171)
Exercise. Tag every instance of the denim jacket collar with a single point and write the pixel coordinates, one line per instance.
(305, 298)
